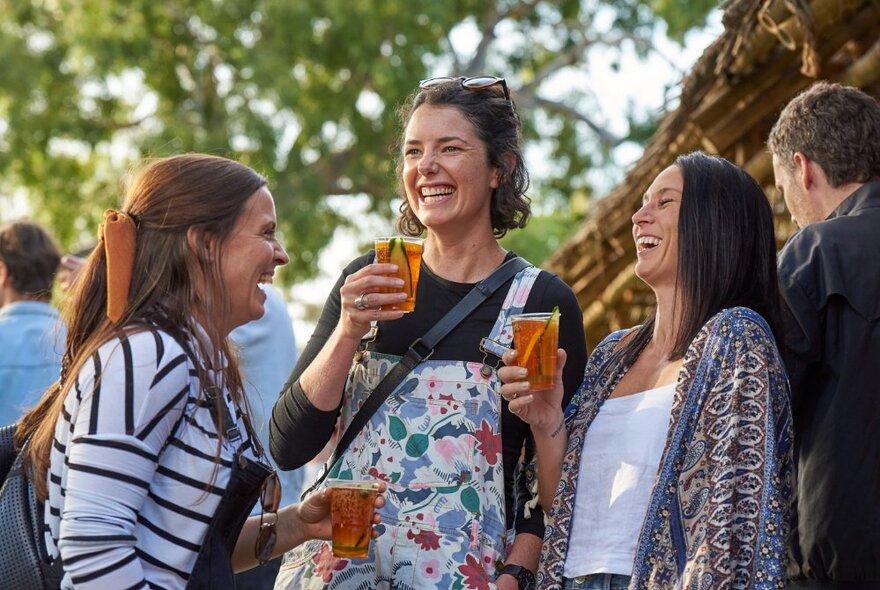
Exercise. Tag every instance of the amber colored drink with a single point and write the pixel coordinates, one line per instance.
(536, 338)
(351, 512)
(406, 253)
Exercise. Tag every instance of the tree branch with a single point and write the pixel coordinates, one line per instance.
(606, 138)
(490, 20)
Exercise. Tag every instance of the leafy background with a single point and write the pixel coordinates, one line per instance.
(304, 91)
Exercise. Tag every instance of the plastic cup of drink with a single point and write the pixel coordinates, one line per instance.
(536, 339)
(406, 253)
(352, 504)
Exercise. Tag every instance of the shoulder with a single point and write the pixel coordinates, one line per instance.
(549, 288)
(142, 349)
(740, 326)
(739, 320)
(553, 284)
(830, 240)
(607, 347)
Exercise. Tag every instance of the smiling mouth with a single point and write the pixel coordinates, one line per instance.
(647, 243)
(433, 194)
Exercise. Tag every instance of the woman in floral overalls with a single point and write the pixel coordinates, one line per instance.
(455, 517)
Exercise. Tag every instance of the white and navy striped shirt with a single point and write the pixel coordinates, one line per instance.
(133, 481)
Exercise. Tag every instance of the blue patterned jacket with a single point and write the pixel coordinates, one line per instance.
(718, 514)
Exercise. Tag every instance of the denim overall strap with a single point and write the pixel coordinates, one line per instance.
(498, 341)
(213, 566)
(436, 442)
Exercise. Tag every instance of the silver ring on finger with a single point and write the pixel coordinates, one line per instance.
(361, 302)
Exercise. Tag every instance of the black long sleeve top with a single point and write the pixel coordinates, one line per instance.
(298, 430)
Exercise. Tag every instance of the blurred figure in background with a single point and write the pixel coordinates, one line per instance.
(826, 160)
(267, 350)
(31, 336)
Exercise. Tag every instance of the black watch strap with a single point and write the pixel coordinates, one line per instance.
(524, 576)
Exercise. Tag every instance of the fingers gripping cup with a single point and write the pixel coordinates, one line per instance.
(352, 505)
(536, 339)
(406, 253)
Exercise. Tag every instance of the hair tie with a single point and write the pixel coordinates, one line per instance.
(119, 234)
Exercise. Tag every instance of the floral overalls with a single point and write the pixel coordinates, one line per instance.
(436, 442)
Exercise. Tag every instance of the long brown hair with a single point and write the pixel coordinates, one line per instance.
(168, 198)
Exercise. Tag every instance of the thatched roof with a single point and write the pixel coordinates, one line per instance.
(769, 51)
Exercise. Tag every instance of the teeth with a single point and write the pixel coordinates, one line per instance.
(645, 242)
(436, 191)
(265, 279)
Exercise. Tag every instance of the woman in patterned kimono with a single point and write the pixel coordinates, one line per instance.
(444, 441)
(676, 468)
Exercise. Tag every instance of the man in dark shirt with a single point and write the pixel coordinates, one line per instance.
(826, 160)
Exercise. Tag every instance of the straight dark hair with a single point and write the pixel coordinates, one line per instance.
(726, 251)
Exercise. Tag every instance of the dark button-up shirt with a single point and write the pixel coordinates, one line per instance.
(829, 273)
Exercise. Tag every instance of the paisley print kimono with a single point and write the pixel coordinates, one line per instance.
(718, 514)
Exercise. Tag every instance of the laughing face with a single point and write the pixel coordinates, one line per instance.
(655, 230)
(446, 172)
(248, 258)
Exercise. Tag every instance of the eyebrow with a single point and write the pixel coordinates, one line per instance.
(660, 191)
(444, 139)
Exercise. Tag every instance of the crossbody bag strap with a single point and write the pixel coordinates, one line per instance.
(421, 350)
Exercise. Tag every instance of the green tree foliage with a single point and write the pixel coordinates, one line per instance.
(302, 90)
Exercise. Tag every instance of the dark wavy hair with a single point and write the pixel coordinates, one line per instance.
(31, 257)
(497, 125)
(835, 126)
(726, 251)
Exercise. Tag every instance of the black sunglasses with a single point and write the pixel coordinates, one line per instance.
(270, 498)
(472, 83)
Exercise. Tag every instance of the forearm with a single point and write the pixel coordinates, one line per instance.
(550, 447)
(525, 552)
(290, 529)
(324, 379)
(304, 416)
(298, 431)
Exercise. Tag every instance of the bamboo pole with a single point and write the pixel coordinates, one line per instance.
(823, 11)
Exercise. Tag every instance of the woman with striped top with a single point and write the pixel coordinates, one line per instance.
(143, 451)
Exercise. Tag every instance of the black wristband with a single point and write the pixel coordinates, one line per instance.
(524, 576)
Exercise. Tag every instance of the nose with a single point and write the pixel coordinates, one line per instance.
(642, 214)
(427, 164)
(281, 257)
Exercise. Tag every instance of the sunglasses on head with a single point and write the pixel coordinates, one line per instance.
(270, 498)
(472, 83)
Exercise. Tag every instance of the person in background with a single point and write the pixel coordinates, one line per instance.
(266, 350)
(676, 461)
(143, 450)
(826, 160)
(31, 334)
(444, 440)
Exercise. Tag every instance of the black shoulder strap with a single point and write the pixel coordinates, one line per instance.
(421, 350)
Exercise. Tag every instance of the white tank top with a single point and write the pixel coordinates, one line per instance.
(618, 468)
